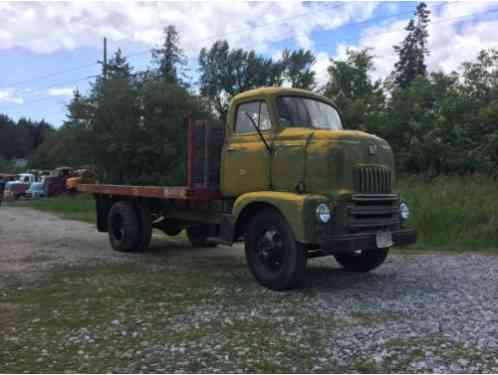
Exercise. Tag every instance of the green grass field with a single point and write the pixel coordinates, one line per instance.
(453, 212)
(76, 207)
(448, 212)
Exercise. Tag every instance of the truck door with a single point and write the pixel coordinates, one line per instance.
(246, 161)
(289, 159)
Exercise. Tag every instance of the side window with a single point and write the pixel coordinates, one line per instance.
(258, 111)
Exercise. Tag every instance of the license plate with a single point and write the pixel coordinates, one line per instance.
(384, 239)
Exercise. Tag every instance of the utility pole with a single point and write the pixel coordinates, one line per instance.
(104, 63)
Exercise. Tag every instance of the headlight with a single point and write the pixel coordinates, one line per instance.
(404, 211)
(323, 213)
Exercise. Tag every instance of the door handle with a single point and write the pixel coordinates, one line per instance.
(230, 149)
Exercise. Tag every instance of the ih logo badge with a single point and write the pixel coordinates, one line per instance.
(372, 149)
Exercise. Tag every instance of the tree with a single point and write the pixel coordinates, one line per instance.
(226, 72)
(360, 100)
(412, 51)
(297, 68)
(170, 56)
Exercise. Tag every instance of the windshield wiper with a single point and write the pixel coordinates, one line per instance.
(259, 133)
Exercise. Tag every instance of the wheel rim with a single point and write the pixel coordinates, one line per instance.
(118, 227)
(270, 249)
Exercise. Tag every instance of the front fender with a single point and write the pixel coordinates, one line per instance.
(297, 209)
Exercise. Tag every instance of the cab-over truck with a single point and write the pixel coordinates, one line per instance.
(284, 177)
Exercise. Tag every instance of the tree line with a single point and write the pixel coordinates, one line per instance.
(130, 124)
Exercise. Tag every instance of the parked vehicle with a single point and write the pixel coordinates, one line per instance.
(17, 188)
(36, 190)
(81, 176)
(56, 181)
(284, 177)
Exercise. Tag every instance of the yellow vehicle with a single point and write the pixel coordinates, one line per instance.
(284, 177)
(83, 176)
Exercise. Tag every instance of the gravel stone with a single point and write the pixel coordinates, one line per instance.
(430, 312)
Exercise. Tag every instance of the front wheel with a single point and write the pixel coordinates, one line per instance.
(274, 257)
(363, 260)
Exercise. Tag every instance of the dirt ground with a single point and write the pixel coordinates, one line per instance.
(32, 242)
(68, 303)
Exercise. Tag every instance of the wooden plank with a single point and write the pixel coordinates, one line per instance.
(166, 192)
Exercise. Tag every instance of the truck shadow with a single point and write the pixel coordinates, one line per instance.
(323, 276)
(333, 277)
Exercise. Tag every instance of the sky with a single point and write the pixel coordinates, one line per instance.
(47, 50)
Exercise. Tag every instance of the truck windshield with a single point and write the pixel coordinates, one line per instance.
(301, 112)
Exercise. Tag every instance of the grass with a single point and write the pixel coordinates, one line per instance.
(453, 212)
(167, 317)
(449, 213)
(75, 207)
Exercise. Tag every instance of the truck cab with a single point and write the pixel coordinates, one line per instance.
(17, 188)
(286, 151)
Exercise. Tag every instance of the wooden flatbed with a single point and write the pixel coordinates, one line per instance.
(160, 192)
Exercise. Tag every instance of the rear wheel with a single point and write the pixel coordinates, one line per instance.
(363, 260)
(129, 227)
(274, 257)
(198, 236)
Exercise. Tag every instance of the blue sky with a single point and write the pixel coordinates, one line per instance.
(49, 49)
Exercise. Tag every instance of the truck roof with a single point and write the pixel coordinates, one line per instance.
(271, 91)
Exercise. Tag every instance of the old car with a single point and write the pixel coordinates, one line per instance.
(36, 190)
(56, 181)
(82, 176)
(17, 188)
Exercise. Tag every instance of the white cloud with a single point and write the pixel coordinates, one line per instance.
(60, 91)
(9, 95)
(453, 37)
(49, 27)
(320, 68)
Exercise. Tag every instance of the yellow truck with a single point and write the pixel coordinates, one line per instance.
(284, 177)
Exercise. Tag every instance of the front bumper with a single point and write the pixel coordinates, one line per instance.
(362, 241)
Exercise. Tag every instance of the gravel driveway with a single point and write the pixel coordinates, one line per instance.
(68, 303)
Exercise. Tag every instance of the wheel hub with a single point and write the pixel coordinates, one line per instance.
(270, 249)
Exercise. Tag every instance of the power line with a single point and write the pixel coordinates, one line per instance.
(443, 20)
(145, 51)
(279, 21)
(72, 82)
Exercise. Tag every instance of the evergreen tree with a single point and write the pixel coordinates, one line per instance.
(118, 67)
(170, 56)
(413, 50)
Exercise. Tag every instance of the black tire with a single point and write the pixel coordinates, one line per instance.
(274, 257)
(364, 261)
(198, 234)
(145, 222)
(124, 227)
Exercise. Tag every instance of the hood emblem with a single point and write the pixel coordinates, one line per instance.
(372, 149)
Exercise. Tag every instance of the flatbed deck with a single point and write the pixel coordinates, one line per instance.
(160, 192)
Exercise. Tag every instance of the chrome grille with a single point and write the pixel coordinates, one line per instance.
(373, 212)
(372, 179)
